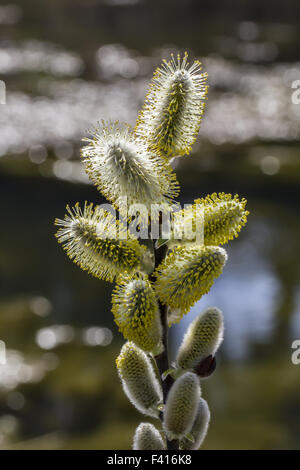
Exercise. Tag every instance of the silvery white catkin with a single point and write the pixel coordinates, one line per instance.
(181, 407)
(147, 437)
(139, 380)
(202, 338)
(126, 171)
(199, 428)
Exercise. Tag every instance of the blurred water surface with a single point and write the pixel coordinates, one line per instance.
(67, 65)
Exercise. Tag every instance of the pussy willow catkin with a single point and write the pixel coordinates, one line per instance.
(202, 338)
(187, 273)
(147, 437)
(171, 115)
(131, 167)
(136, 312)
(181, 407)
(220, 217)
(97, 242)
(199, 428)
(127, 172)
(139, 380)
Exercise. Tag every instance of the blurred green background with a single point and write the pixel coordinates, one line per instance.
(67, 64)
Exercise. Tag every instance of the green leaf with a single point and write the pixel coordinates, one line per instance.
(190, 437)
(165, 374)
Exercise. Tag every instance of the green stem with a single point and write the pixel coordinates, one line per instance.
(162, 360)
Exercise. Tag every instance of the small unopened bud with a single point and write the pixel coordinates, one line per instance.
(201, 342)
(199, 428)
(147, 437)
(206, 367)
(181, 407)
(139, 380)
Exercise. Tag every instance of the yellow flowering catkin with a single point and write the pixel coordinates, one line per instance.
(126, 171)
(222, 218)
(147, 437)
(181, 407)
(136, 312)
(171, 115)
(187, 273)
(89, 237)
(202, 338)
(139, 380)
(199, 428)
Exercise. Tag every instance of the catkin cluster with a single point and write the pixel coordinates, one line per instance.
(131, 167)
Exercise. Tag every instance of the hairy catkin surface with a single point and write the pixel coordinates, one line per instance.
(172, 112)
(199, 428)
(181, 407)
(187, 273)
(136, 312)
(139, 380)
(202, 338)
(147, 437)
(97, 242)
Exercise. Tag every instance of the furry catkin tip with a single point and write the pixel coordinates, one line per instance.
(147, 437)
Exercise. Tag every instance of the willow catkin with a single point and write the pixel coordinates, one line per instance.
(127, 172)
(171, 115)
(187, 273)
(199, 428)
(181, 407)
(202, 338)
(97, 242)
(139, 380)
(214, 220)
(136, 312)
(147, 437)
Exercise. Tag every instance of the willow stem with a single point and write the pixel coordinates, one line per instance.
(162, 360)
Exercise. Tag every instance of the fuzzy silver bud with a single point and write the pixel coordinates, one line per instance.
(181, 407)
(147, 437)
(202, 338)
(139, 380)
